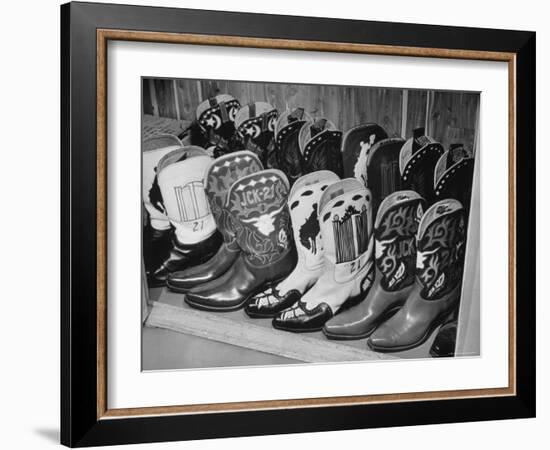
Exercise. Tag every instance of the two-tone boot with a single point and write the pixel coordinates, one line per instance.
(180, 179)
(255, 125)
(346, 227)
(157, 233)
(216, 119)
(356, 146)
(441, 244)
(383, 176)
(395, 232)
(258, 209)
(417, 161)
(302, 202)
(320, 143)
(287, 130)
(220, 175)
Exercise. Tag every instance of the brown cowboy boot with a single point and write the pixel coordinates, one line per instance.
(441, 244)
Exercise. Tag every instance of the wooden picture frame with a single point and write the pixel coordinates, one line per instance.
(85, 417)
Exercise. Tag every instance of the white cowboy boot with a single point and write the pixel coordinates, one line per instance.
(303, 201)
(345, 219)
(180, 178)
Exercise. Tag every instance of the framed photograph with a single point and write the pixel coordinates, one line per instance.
(277, 224)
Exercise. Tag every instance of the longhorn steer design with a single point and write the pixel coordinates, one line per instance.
(264, 223)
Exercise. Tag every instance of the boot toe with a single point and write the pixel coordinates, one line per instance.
(297, 319)
(383, 338)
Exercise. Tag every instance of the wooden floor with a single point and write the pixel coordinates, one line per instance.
(178, 337)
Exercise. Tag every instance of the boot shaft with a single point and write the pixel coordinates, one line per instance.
(255, 125)
(216, 116)
(417, 161)
(345, 217)
(441, 247)
(220, 175)
(287, 130)
(180, 179)
(258, 207)
(320, 144)
(303, 204)
(395, 231)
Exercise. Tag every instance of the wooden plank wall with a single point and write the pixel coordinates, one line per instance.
(448, 116)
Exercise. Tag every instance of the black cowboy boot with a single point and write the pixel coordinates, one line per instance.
(320, 143)
(441, 244)
(257, 204)
(220, 175)
(346, 226)
(417, 161)
(289, 155)
(383, 177)
(255, 124)
(216, 119)
(454, 175)
(395, 260)
(302, 203)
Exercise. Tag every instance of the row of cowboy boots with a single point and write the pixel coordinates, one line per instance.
(249, 205)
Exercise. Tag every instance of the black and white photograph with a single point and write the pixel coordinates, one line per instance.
(303, 223)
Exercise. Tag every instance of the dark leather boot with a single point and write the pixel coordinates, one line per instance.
(257, 204)
(156, 247)
(320, 144)
(395, 260)
(441, 245)
(216, 119)
(346, 227)
(182, 256)
(454, 175)
(302, 203)
(220, 175)
(289, 155)
(356, 146)
(383, 177)
(255, 124)
(444, 343)
(180, 180)
(417, 161)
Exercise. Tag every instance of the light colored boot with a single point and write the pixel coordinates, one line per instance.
(345, 220)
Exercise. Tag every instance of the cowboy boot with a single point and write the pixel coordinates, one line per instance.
(257, 205)
(417, 161)
(441, 246)
(302, 203)
(216, 119)
(180, 179)
(220, 175)
(383, 177)
(287, 130)
(454, 174)
(320, 143)
(356, 147)
(157, 231)
(346, 226)
(395, 258)
(255, 124)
